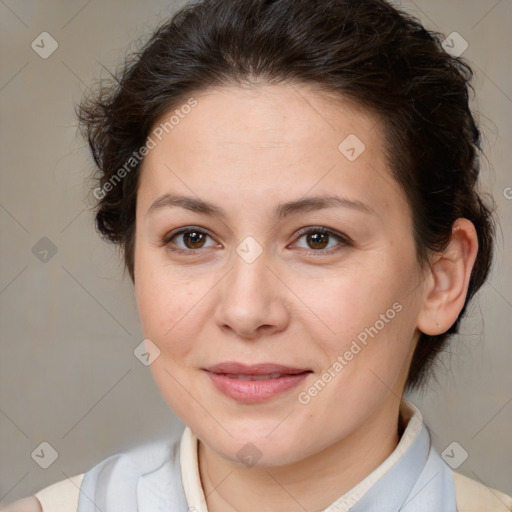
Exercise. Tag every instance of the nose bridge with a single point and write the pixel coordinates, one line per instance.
(250, 297)
(248, 275)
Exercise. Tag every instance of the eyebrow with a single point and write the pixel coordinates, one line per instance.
(280, 211)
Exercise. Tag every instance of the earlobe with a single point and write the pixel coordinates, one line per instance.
(449, 280)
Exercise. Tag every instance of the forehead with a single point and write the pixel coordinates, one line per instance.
(273, 116)
(253, 140)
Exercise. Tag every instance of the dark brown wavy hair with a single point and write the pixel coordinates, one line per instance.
(366, 51)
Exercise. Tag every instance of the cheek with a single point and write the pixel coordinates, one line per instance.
(352, 300)
(172, 307)
(168, 309)
(164, 306)
(369, 314)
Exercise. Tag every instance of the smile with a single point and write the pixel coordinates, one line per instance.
(255, 388)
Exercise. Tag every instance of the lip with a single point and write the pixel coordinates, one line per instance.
(234, 367)
(223, 377)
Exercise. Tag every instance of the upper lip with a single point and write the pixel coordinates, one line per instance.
(232, 367)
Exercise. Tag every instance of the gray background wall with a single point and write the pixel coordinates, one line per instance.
(68, 375)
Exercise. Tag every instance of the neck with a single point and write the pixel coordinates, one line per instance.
(309, 484)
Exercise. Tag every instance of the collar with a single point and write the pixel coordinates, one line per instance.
(164, 475)
(412, 478)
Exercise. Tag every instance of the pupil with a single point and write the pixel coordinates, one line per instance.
(318, 239)
(194, 238)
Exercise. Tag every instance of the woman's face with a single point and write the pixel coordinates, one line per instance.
(241, 281)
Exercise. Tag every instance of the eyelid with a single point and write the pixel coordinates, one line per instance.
(343, 240)
(172, 234)
(168, 236)
(323, 229)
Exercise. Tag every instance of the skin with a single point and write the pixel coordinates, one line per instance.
(247, 150)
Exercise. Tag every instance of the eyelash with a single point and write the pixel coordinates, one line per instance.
(343, 240)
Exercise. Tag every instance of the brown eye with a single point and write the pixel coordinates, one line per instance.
(194, 239)
(188, 240)
(322, 240)
(317, 240)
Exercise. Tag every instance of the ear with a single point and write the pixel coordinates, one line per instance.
(449, 280)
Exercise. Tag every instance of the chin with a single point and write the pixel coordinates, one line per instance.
(255, 447)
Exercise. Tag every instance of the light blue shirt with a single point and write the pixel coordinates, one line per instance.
(414, 478)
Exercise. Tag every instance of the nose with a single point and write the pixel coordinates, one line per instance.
(252, 300)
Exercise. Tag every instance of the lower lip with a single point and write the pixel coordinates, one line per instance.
(251, 391)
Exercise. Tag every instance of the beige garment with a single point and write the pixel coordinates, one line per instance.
(62, 496)
(471, 496)
(59, 497)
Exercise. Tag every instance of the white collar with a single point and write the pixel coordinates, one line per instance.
(411, 419)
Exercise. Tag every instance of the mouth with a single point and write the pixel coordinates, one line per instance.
(255, 383)
(253, 377)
